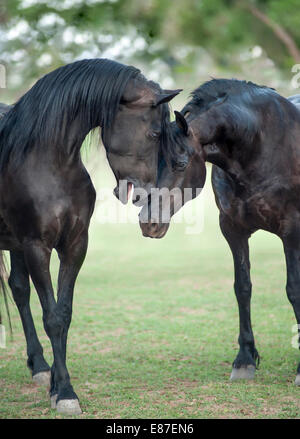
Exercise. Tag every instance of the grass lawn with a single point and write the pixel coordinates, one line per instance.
(155, 327)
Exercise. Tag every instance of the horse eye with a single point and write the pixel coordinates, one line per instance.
(153, 134)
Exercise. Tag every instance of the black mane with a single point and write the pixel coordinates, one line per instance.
(240, 102)
(217, 90)
(174, 151)
(4, 109)
(86, 91)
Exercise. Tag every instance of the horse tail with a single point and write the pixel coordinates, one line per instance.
(4, 109)
(3, 288)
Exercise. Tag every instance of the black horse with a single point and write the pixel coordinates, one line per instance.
(4, 109)
(251, 135)
(47, 197)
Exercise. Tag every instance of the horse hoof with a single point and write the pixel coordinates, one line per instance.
(42, 378)
(243, 373)
(297, 380)
(68, 407)
(53, 399)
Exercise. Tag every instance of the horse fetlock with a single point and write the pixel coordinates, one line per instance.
(247, 356)
(66, 391)
(245, 364)
(36, 364)
(65, 406)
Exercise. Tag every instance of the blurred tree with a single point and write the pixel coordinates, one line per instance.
(38, 35)
(223, 26)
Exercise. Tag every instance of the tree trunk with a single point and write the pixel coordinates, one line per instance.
(279, 31)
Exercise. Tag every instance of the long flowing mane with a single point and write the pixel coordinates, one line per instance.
(243, 102)
(174, 152)
(220, 89)
(86, 91)
(4, 109)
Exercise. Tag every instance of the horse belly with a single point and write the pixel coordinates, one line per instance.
(7, 240)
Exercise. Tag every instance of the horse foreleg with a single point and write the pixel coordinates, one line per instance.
(245, 363)
(19, 284)
(71, 258)
(56, 318)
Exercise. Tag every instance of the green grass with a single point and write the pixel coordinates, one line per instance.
(155, 327)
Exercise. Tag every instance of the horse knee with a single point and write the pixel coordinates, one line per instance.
(57, 320)
(52, 323)
(244, 289)
(293, 293)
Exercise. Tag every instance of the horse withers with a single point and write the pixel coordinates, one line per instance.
(251, 135)
(47, 196)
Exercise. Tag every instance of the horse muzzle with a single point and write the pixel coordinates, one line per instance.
(154, 229)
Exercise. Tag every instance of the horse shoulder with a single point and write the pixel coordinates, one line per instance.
(223, 189)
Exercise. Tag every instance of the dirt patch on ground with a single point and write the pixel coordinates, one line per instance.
(192, 312)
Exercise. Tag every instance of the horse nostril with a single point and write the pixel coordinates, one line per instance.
(153, 227)
(136, 199)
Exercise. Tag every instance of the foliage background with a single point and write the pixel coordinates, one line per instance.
(172, 41)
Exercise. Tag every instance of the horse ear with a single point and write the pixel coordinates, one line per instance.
(147, 97)
(166, 96)
(181, 123)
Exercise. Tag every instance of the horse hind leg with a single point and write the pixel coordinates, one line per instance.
(244, 366)
(20, 287)
(292, 257)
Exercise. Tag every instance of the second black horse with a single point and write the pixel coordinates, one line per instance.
(251, 135)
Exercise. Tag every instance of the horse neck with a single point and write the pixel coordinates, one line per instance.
(245, 144)
(67, 149)
(211, 130)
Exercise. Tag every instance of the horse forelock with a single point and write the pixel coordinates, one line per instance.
(173, 148)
